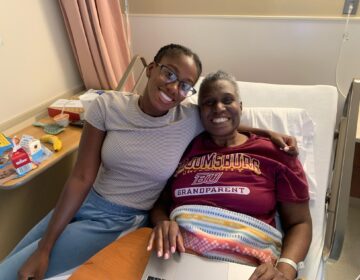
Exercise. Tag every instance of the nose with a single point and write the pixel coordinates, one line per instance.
(173, 87)
(219, 107)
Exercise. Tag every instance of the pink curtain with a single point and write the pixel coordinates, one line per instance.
(98, 37)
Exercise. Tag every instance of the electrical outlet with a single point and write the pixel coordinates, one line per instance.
(347, 4)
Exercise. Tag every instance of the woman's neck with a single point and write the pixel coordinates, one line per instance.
(145, 106)
(235, 139)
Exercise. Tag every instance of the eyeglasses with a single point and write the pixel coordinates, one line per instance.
(169, 76)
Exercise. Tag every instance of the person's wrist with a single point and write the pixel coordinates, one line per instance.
(157, 217)
(44, 247)
(288, 267)
(285, 275)
(161, 220)
(288, 272)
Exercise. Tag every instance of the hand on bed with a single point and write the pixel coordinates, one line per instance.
(166, 238)
(285, 142)
(267, 271)
(35, 267)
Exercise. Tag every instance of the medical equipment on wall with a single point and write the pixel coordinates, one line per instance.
(345, 38)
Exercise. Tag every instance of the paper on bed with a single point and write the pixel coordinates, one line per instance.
(187, 266)
(62, 276)
(291, 121)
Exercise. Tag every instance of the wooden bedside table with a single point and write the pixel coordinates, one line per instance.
(70, 138)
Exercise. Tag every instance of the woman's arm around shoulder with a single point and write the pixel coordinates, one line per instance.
(285, 142)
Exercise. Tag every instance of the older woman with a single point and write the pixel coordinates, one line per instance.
(226, 190)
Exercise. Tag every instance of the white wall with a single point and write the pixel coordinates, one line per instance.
(273, 50)
(36, 61)
(36, 66)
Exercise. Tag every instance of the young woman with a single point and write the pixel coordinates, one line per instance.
(130, 146)
(226, 191)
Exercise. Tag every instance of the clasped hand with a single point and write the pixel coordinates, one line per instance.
(267, 271)
(285, 142)
(35, 267)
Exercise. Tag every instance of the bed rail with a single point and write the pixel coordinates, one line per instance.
(130, 72)
(339, 191)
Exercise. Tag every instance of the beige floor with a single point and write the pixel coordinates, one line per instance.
(348, 266)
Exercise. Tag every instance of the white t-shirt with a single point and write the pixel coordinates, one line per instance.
(140, 152)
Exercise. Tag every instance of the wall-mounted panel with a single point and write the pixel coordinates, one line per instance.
(272, 50)
(318, 8)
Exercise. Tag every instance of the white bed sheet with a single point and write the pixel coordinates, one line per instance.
(62, 276)
(291, 121)
(320, 102)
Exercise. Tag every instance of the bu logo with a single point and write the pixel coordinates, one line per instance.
(207, 178)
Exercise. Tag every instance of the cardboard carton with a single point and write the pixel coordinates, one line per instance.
(72, 107)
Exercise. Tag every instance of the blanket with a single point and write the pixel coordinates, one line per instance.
(225, 235)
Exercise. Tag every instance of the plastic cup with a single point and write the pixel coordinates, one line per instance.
(62, 119)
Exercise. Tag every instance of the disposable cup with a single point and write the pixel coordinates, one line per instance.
(62, 119)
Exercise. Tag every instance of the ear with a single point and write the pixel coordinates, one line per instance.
(149, 68)
(240, 113)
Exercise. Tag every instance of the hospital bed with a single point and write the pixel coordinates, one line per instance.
(326, 142)
(324, 123)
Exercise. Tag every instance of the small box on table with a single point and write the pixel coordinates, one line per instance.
(73, 107)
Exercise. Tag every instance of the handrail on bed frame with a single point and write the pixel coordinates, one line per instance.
(339, 192)
(129, 70)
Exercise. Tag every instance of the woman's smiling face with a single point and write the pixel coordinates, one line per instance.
(220, 109)
(160, 96)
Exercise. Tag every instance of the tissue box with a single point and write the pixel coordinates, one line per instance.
(30, 145)
(72, 107)
(21, 161)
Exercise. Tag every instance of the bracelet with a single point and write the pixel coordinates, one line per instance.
(290, 262)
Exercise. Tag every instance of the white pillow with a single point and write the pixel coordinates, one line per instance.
(291, 121)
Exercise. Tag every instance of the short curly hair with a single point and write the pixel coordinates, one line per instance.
(217, 76)
(175, 49)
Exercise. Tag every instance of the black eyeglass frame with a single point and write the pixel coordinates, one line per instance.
(186, 93)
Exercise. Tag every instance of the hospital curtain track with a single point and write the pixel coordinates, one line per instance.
(97, 34)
